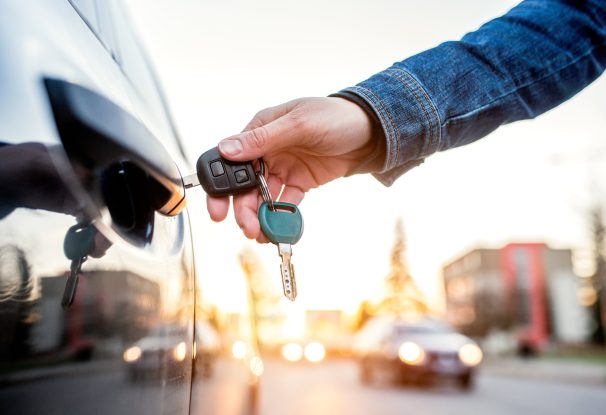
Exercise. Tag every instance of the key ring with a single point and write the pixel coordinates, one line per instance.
(263, 185)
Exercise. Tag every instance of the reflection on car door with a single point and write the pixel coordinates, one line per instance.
(129, 342)
(134, 303)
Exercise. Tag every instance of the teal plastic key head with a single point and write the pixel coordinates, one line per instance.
(79, 241)
(284, 225)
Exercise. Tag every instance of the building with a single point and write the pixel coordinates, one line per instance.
(526, 289)
(107, 302)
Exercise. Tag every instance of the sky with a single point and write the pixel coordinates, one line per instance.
(221, 62)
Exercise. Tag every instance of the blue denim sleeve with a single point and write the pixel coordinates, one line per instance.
(514, 67)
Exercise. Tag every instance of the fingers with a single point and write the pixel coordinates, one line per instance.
(245, 212)
(217, 207)
(292, 194)
(255, 143)
(246, 208)
(268, 115)
(102, 244)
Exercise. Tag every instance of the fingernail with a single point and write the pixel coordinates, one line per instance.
(231, 147)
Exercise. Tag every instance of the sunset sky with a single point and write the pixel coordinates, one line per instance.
(221, 62)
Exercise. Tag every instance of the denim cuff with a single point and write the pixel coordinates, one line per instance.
(408, 117)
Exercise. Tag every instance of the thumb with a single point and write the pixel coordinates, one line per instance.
(255, 143)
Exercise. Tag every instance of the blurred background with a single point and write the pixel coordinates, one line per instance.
(502, 241)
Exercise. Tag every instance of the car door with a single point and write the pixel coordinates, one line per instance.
(75, 151)
(224, 382)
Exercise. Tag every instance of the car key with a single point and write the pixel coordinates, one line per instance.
(78, 243)
(221, 177)
(283, 226)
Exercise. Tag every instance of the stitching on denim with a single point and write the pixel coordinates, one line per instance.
(393, 125)
(422, 103)
(385, 115)
(429, 101)
(419, 101)
(459, 117)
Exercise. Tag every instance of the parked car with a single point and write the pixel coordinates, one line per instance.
(90, 180)
(416, 350)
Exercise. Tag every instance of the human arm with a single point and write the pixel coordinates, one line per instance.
(514, 67)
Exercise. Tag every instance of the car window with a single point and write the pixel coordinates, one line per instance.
(403, 330)
(146, 93)
(167, 331)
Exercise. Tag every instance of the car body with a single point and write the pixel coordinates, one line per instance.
(87, 143)
(162, 350)
(415, 349)
(207, 348)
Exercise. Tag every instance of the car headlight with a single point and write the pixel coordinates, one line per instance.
(292, 352)
(411, 354)
(132, 354)
(470, 354)
(239, 349)
(180, 351)
(314, 352)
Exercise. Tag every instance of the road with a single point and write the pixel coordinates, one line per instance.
(332, 388)
(329, 388)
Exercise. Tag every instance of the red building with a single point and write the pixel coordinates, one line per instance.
(526, 289)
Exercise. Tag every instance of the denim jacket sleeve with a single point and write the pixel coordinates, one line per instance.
(514, 67)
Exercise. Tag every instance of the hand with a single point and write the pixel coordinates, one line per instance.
(305, 143)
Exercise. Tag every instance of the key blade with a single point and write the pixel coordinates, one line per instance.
(289, 284)
(191, 181)
(71, 285)
(69, 292)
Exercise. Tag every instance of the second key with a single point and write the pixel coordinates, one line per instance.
(283, 226)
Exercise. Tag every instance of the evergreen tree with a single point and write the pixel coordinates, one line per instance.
(265, 309)
(402, 297)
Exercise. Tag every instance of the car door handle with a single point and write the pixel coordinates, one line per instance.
(100, 133)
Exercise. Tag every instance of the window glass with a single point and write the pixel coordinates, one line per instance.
(149, 102)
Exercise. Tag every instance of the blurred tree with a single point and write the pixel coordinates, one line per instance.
(363, 314)
(402, 296)
(265, 309)
(598, 280)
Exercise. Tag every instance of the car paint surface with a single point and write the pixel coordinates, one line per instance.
(55, 360)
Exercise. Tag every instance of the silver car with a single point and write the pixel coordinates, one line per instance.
(91, 185)
(415, 350)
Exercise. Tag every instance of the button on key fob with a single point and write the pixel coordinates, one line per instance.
(221, 177)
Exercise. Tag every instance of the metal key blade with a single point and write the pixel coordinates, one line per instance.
(72, 283)
(287, 271)
(191, 181)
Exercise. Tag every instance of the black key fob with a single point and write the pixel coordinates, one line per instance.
(221, 177)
